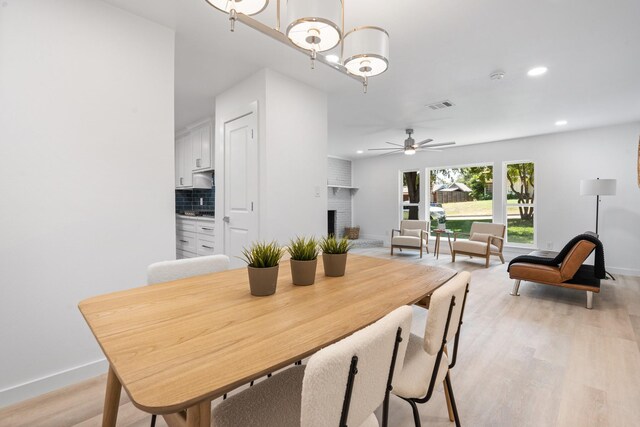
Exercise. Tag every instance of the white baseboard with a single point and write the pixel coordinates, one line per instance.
(624, 271)
(385, 239)
(30, 389)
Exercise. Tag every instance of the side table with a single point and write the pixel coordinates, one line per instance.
(439, 232)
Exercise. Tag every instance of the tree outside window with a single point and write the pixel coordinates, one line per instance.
(411, 195)
(520, 197)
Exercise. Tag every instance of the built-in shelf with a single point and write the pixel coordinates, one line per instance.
(337, 188)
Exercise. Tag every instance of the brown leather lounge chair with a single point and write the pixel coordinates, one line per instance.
(564, 269)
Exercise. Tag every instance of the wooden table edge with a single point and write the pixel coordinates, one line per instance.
(208, 397)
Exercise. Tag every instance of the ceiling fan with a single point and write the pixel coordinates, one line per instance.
(410, 145)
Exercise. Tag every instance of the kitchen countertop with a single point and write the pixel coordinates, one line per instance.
(203, 218)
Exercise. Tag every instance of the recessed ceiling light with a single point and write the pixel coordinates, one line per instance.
(359, 151)
(561, 122)
(333, 58)
(538, 71)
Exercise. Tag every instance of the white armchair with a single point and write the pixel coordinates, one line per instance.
(485, 239)
(413, 234)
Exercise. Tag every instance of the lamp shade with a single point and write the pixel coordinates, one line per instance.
(246, 7)
(598, 187)
(366, 51)
(313, 24)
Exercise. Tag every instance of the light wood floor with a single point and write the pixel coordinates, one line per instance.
(540, 359)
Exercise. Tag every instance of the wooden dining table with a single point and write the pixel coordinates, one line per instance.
(176, 346)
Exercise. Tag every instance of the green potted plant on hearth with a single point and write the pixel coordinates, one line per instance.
(263, 262)
(334, 255)
(304, 259)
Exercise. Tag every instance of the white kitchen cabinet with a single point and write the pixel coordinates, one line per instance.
(184, 176)
(186, 241)
(194, 153)
(195, 236)
(201, 147)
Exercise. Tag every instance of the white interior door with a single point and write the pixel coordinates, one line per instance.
(240, 186)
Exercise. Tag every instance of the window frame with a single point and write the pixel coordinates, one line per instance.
(401, 204)
(427, 187)
(505, 205)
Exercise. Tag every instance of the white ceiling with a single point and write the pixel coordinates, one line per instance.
(440, 49)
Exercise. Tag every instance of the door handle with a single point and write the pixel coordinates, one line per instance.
(226, 219)
(198, 163)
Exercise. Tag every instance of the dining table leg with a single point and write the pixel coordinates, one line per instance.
(199, 415)
(111, 399)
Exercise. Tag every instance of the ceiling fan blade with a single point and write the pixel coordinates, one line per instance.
(442, 144)
(392, 152)
(393, 143)
(429, 149)
(377, 149)
(421, 143)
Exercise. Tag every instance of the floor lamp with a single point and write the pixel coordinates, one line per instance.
(598, 187)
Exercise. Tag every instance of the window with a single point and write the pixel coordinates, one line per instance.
(410, 195)
(460, 196)
(520, 203)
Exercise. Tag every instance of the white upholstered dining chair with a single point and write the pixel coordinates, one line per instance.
(413, 234)
(167, 271)
(426, 362)
(341, 385)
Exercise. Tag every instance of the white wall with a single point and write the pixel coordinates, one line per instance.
(292, 138)
(86, 178)
(296, 184)
(561, 160)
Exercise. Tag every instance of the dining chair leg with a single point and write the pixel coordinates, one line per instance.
(416, 414)
(486, 264)
(452, 418)
(453, 256)
(501, 258)
(447, 380)
(153, 420)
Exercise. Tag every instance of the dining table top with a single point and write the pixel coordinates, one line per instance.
(174, 344)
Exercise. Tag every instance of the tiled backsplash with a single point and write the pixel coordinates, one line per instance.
(189, 200)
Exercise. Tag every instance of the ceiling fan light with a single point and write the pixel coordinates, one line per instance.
(410, 151)
(246, 7)
(312, 24)
(366, 51)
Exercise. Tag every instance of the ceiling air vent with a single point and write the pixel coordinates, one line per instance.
(440, 105)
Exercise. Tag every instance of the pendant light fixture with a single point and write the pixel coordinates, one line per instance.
(315, 26)
(365, 52)
(233, 7)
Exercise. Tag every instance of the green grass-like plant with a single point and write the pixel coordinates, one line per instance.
(331, 245)
(303, 249)
(262, 254)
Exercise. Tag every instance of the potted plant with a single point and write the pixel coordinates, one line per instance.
(304, 259)
(442, 223)
(263, 262)
(334, 255)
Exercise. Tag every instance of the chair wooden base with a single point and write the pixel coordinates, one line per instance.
(409, 247)
(471, 254)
